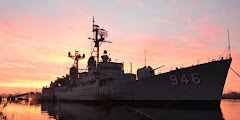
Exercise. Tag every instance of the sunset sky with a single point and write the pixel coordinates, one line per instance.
(36, 36)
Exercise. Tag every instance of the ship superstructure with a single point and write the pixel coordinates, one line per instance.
(100, 75)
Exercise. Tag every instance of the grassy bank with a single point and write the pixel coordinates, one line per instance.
(231, 95)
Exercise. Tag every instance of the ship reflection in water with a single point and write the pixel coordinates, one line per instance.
(23, 110)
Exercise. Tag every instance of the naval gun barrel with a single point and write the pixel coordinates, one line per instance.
(159, 67)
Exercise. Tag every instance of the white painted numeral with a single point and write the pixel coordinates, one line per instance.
(184, 79)
(195, 78)
(174, 80)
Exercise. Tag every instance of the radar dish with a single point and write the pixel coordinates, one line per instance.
(105, 51)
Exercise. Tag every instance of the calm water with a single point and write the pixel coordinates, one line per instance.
(22, 110)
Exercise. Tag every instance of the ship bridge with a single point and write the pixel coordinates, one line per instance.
(111, 67)
(106, 66)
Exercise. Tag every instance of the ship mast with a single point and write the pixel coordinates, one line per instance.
(229, 45)
(98, 38)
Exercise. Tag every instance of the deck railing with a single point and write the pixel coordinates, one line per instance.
(191, 63)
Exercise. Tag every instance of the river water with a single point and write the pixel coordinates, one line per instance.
(30, 110)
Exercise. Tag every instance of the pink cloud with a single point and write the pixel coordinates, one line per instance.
(206, 25)
(217, 32)
(15, 34)
(35, 20)
(177, 10)
(134, 1)
(18, 24)
(139, 3)
(71, 6)
(191, 40)
(207, 18)
(181, 16)
(165, 21)
(20, 65)
(166, 50)
(187, 19)
(17, 90)
(27, 35)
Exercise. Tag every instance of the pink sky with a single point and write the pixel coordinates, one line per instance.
(36, 36)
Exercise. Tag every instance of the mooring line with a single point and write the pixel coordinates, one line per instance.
(234, 71)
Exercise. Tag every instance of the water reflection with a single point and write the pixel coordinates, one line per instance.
(183, 114)
(80, 111)
(24, 110)
(75, 111)
(231, 109)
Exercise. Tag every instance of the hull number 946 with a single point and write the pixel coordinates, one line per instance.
(194, 77)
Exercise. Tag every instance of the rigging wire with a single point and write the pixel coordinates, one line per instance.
(224, 52)
(235, 72)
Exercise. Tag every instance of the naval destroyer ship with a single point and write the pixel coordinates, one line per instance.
(197, 85)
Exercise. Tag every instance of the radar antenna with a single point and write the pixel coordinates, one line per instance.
(98, 38)
(76, 57)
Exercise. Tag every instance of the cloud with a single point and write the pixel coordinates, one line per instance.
(165, 21)
(134, 1)
(37, 45)
(71, 6)
(204, 24)
(13, 65)
(139, 3)
(177, 10)
(21, 65)
(25, 83)
(187, 19)
(15, 34)
(35, 20)
(17, 24)
(181, 16)
(24, 76)
(191, 40)
(212, 31)
(18, 90)
(5, 22)
(9, 29)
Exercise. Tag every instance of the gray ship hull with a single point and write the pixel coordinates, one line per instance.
(200, 82)
(197, 86)
(192, 86)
